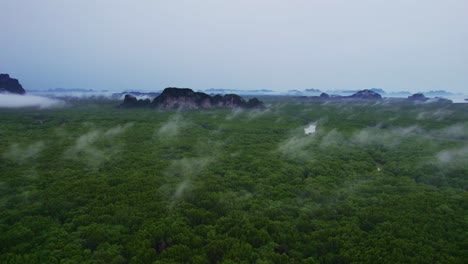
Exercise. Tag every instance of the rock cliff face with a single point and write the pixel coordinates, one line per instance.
(187, 98)
(10, 85)
(172, 98)
(181, 98)
(366, 95)
(131, 101)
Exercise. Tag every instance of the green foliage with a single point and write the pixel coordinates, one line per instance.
(91, 183)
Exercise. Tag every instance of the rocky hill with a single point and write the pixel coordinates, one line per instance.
(10, 85)
(172, 98)
(366, 95)
(417, 97)
(130, 101)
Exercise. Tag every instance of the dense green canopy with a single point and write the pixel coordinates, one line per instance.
(376, 183)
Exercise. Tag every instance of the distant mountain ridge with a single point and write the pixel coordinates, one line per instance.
(372, 95)
(438, 93)
(68, 90)
(359, 95)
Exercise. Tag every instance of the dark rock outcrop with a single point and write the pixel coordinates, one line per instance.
(181, 98)
(254, 103)
(186, 98)
(366, 95)
(324, 96)
(417, 97)
(131, 101)
(172, 98)
(10, 85)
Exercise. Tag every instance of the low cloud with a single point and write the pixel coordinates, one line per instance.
(368, 136)
(386, 137)
(19, 101)
(172, 127)
(456, 131)
(333, 138)
(234, 113)
(438, 114)
(297, 147)
(21, 154)
(186, 169)
(255, 113)
(86, 146)
(181, 188)
(453, 155)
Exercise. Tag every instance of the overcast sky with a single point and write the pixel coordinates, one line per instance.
(240, 44)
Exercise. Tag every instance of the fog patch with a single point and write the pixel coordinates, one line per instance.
(78, 95)
(115, 131)
(297, 147)
(19, 101)
(388, 138)
(172, 127)
(457, 131)
(202, 147)
(234, 113)
(88, 149)
(186, 169)
(403, 131)
(454, 156)
(438, 115)
(310, 129)
(371, 136)
(21, 154)
(181, 188)
(333, 138)
(255, 113)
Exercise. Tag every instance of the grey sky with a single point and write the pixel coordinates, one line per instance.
(245, 44)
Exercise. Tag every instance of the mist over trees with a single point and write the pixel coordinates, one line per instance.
(374, 183)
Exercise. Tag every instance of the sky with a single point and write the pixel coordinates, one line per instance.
(243, 44)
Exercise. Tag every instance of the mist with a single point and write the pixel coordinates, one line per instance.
(310, 129)
(234, 114)
(301, 146)
(438, 114)
(297, 147)
(184, 171)
(172, 127)
(86, 148)
(23, 153)
(19, 101)
(453, 155)
(456, 131)
(386, 137)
